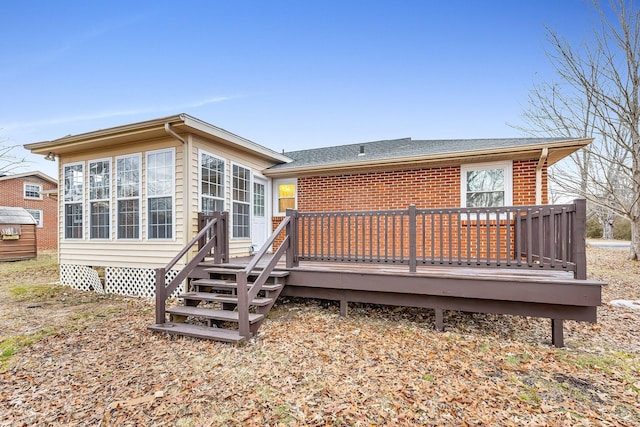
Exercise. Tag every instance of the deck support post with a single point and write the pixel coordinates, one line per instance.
(344, 307)
(557, 333)
(439, 319)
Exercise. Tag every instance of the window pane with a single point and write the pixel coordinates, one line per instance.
(258, 199)
(73, 221)
(241, 220)
(210, 205)
(99, 180)
(284, 204)
(37, 215)
(485, 199)
(73, 183)
(99, 215)
(212, 171)
(128, 170)
(160, 173)
(32, 191)
(128, 219)
(485, 180)
(160, 218)
(241, 180)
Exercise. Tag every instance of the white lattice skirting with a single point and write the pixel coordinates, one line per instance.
(138, 282)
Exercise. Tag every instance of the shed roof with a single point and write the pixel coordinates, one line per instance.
(12, 215)
(408, 151)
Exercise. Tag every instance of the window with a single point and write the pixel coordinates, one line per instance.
(73, 197)
(128, 196)
(160, 182)
(211, 183)
(258, 199)
(99, 196)
(241, 190)
(32, 191)
(37, 215)
(284, 196)
(486, 185)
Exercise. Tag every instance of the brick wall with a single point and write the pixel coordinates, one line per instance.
(12, 194)
(437, 187)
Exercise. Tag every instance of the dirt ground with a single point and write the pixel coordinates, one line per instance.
(78, 358)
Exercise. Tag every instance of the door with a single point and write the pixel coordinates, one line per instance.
(259, 231)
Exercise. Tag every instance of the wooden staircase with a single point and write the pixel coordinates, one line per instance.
(210, 308)
(225, 302)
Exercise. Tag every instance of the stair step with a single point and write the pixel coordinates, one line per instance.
(223, 270)
(224, 315)
(198, 331)
(223, 284)
(207, 296)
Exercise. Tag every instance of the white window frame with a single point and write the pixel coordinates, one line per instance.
(224, 179)
(117, 198)
(276, 194)
(24, 193)
(66, 202)
(171, 193)
(107, 199)
(40, 219)
(233, 200)
(507, 166)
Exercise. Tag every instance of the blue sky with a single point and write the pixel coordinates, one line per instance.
(285, 74)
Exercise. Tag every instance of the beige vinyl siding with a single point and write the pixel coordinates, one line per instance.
(125, 253)
(237, 247)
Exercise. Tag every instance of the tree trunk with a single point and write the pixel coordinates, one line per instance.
(607, 225)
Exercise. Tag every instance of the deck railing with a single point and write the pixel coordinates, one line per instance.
(535, 237)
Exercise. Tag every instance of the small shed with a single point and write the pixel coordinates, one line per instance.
(17, 234)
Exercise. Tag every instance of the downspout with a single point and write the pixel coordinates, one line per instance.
(187, 220)
(543, 158)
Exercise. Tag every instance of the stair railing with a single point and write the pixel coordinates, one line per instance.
(246, 294)
(216, 232)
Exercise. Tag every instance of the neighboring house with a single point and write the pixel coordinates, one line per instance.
(131, 194)
(37, 193)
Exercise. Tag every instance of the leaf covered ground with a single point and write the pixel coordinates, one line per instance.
(96, 364)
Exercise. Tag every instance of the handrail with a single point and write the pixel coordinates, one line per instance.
(162, 289)
(246, 294)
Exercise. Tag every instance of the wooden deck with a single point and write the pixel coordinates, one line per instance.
(556, 295)
(523, 260)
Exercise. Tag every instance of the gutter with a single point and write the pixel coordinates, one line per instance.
(543, 158)
(187, 220)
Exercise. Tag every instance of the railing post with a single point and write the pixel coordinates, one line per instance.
(243, 304)
(412, 238)
(217, 246)
(203, 240)
(292, 233)
(160, 296)
(578, 236)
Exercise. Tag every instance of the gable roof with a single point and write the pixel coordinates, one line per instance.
(408, 152)
(11, 215)
(38, 174)
(151, 129)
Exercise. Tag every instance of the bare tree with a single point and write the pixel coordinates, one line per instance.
(8, 161)
(597, 95)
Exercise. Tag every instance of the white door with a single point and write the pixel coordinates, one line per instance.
(259, 231)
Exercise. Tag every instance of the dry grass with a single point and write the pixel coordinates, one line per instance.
(98, 365)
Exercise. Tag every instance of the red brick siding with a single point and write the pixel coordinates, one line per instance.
(426, 188)
(12, 194)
